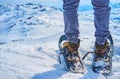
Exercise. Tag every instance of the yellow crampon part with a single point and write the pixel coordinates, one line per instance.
(107, 44)
(65, 44)
(107, 60)
(73, 59)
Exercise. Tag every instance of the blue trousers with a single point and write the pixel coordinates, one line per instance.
(101, 19)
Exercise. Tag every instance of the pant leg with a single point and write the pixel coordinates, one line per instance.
(71, 19)
(101, 20)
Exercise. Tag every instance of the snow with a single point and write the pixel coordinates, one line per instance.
(29, 35)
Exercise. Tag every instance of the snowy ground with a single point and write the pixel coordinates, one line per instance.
(28, 42)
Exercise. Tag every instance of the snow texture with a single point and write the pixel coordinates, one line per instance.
(29, 35)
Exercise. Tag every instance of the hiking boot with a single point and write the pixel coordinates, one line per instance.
(100, 50)
(73, 51)
(72, 47)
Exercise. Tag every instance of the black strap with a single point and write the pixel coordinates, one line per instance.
(86, 55)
